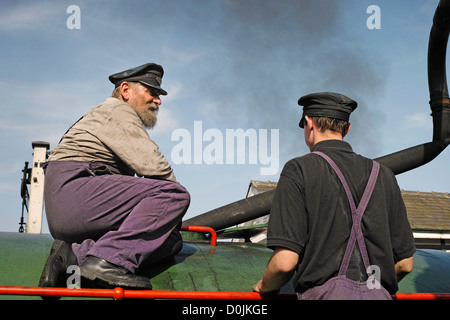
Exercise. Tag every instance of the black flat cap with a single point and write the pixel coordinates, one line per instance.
(326, 104)
(149, 74)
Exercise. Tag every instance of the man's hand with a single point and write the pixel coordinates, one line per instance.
(278, 272)
(257, 287)
(403, 267)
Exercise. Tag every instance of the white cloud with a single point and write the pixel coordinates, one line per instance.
(9, 188)
(29, 16)
(166, 123)
(7, 169)
(61, 102)
(174, 89)
(181, 54)
(419, 120)
(34, 131)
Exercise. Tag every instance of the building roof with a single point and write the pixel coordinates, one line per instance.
(427, 211)
(261, 186)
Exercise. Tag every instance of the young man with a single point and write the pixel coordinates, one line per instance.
(310, 218)
(112, 200)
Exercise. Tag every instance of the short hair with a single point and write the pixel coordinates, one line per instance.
(332, 124)
(117, 94)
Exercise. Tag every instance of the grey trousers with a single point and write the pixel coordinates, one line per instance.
(127, 221)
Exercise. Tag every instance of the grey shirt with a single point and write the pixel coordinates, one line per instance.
(113, 133)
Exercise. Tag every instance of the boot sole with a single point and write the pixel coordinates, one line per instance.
(95, 280)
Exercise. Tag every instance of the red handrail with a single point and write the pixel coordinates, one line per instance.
(421, 296)
(203, 229)
(119, 294)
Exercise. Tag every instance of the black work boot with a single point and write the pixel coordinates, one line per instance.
(96, 272)
(55, 270)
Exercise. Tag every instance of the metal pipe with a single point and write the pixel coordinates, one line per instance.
(202, 229)
(413, 157)
(120, 293)
(259, 205)
(421, 296)
(234, 213)
(417, 156)
(437, 79)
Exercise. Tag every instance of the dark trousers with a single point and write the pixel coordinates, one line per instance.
(125, 220)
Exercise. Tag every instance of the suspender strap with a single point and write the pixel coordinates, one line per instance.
(69, 129)
(357, 213)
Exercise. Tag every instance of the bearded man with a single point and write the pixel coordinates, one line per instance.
(112, 201)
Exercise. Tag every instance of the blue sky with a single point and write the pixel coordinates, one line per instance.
(229, 64)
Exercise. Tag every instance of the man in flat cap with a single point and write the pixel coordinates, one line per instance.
(315, 228)
(112, 200)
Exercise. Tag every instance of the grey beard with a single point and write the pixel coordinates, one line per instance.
(148, 117)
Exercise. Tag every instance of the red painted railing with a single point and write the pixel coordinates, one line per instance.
(203, 229)
(119, 294)
(421, 296)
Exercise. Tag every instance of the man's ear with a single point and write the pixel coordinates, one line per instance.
(309, 122)
(346, 131)
(125, 90)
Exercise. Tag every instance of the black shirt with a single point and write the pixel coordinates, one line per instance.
(310, 215)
